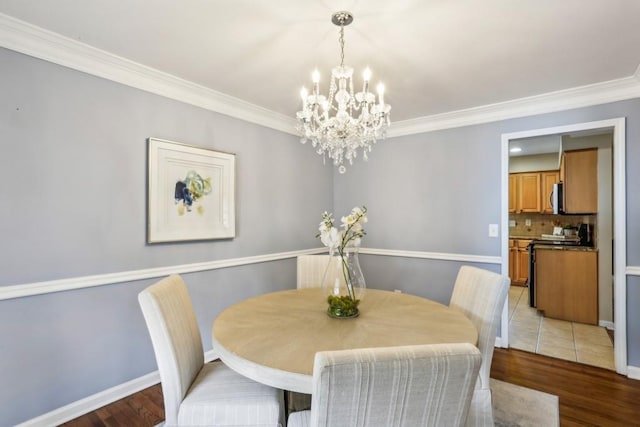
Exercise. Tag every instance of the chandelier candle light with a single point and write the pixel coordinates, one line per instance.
(341, 123)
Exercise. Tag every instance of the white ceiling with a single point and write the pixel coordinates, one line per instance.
(434, 56)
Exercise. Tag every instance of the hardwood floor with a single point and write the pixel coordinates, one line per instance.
(589, 396)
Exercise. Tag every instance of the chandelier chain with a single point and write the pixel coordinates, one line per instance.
(342, 45)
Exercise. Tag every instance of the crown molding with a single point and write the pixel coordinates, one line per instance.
(566, 99)
(31, 40)
(34, 41)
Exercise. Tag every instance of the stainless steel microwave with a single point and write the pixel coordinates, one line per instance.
(557, 198)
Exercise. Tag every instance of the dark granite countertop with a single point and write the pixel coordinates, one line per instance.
(567, 248)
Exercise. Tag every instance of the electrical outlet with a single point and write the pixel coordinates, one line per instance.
(512, 223)
(493, 230)
(527, 222)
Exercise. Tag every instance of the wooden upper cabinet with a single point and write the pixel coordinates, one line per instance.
(524, 192)
(528, 185)
(580, 177)
(547, 179)
(513, 193)
(529, 192)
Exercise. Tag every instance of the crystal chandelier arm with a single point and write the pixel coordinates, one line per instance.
(339, 136)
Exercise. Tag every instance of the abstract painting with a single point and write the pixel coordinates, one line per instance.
(191, 193)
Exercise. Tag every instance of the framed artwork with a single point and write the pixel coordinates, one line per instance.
(190, 193)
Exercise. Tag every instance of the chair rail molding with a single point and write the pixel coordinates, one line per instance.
(633, 270)
(38, 288)
(59, 285)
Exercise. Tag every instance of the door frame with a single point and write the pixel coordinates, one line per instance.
(618, 127)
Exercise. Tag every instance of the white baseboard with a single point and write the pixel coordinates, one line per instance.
(98, 400)
(607, 324)
(91, 403)
(633, 372)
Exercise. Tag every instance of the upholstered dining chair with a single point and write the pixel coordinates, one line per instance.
(480, 295)
(407, 386)
(310, 270)
(195, 393)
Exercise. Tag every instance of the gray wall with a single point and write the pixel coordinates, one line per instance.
(73, 167)
(439, 191)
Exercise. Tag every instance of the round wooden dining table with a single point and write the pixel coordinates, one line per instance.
(273, 338)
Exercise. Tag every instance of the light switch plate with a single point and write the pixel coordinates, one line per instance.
(493, 230)
(527, 222)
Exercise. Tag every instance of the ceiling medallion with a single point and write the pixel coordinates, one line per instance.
(342, 122)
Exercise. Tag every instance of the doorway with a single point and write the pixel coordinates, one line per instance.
(616, 127)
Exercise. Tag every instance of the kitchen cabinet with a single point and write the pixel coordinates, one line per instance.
(513, 251)
(547, 179)
(524, 192)
(529, 192)
(579, 173)
(513, 196)
(566, 284)
(519, 261)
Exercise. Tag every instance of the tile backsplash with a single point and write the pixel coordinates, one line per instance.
(543, 223)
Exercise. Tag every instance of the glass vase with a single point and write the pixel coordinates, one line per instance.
(344, 284)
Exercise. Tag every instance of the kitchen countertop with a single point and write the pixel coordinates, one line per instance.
(567, 247)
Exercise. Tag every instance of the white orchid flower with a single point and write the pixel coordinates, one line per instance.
(351, 233)
(331, 238)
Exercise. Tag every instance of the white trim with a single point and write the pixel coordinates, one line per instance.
(618, 126)
(633, 270)
(31, 40)
(98, 400)
(607, 324)
(481, 259)
(583, 96)
(39, 288)
(633, 372)
(93, 402)
(504, 236)
(620, 243)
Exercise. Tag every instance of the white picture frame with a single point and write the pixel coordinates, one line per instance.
(190, 193)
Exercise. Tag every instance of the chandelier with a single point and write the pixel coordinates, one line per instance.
(342, 122)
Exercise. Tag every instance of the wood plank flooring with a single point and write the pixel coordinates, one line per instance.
(589, 396)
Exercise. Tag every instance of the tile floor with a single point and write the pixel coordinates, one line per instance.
(530, 331)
